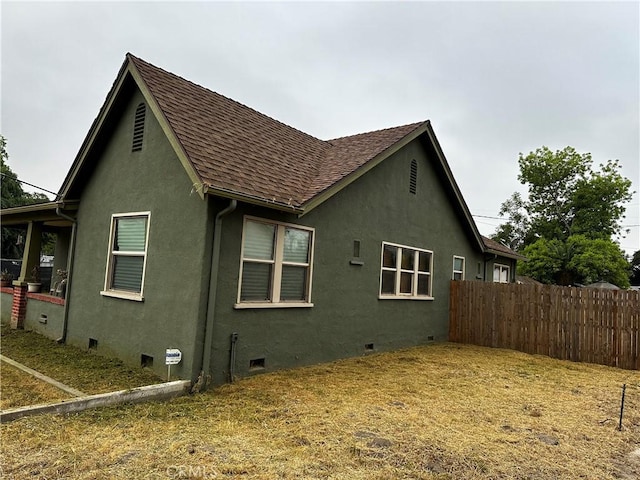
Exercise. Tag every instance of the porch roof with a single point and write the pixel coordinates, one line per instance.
(45, 213)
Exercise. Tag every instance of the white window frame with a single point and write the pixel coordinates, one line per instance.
(502, 268)
(111, 254)
(399, 270)
(277, 262)
(461, 272)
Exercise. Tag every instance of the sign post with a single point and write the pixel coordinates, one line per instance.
(172, 357)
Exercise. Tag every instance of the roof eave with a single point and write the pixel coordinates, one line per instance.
(514, 255)
(128, 68)
(251, 199)
(36, 212)
(166, 128)
(456, 190)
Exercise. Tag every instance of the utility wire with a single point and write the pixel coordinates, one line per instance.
(30, 184)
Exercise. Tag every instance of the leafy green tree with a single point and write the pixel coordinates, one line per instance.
(13, 195)
(566, 224)
(515, 234)
(634, 265)
(578, 260)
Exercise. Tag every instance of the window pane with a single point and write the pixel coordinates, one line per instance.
(389, 256)
(504, 275)
(258, 240)
(407, 259)
(296, 245)
(458, 264)
(406, 281)
(294, 283)
(423, 285)
(256, 281)
(496, 273)
(130, 234)
(424, 262)
(457, 276)
(388, 282)
(127, 273)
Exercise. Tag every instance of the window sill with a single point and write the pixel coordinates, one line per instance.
(242, 306)
(403, 297)
(136, 297)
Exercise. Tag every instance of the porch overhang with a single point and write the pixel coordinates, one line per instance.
(45, 214)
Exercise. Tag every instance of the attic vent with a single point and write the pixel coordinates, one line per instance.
(138, 128)
(413, 178)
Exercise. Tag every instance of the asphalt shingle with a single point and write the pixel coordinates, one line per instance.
(235, 148)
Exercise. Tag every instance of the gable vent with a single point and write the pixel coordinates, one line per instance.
(413, 178)
(138, 128)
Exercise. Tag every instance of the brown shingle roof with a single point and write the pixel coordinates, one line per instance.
(497, 247)
(235, 148)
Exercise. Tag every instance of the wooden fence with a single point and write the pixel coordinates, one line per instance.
(579, 324)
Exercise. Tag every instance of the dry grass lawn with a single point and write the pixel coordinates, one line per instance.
(436, 412)
(20, 389)
(70, 365)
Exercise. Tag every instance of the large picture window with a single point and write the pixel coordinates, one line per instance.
(405, 272)
(127, 255)
(276, 264)
(501, 273)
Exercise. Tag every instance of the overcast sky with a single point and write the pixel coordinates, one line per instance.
(495, 79)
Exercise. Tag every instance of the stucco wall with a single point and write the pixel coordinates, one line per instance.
(347, 314)
(6, 301)
(178, 257)
(44, 317)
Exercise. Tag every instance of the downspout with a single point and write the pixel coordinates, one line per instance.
(72, 247)
(211, 304)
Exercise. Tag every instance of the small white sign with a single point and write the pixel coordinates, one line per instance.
(173, 356)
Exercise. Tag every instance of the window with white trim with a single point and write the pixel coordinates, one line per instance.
(458, 268)
(127, 255)
(405, 272)
(501, 273)
(276, 264)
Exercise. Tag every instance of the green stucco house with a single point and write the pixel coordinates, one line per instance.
(193, 222)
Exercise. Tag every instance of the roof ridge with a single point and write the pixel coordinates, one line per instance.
(197, 85)
(416, 124)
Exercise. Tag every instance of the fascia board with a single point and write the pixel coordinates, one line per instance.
(95, 128)
(253, 200)
(129, 68)
(352, 177)
(456, 190)
(514, 256)
(168, 131)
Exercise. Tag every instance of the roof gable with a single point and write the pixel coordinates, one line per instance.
(233, 151)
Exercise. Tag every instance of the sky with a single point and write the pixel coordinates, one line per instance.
(496, 79)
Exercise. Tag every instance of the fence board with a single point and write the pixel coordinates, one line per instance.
(579, 324)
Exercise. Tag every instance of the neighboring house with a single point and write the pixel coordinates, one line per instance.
(191, 221)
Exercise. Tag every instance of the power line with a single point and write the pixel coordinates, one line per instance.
(30, 184)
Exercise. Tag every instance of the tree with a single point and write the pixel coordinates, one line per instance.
(635, 268)
(566, 223)
(14, 196)
(579, 260)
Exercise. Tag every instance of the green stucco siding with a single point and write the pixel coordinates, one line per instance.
(347, 314)
(178, 259)
(44, 317)
(6, 302)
